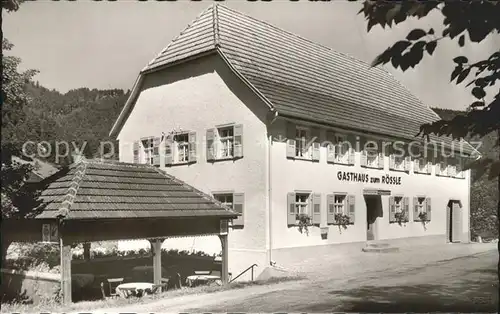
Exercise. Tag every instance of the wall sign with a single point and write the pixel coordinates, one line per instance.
(363, 177)
(50, 233)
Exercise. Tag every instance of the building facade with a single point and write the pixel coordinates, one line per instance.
(310, 146)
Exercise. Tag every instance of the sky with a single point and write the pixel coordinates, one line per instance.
(105, 44)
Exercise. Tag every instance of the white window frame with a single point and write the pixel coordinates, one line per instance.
(224, 198)
(148, 149)
(339, 207)
(180, 146)
(303, 206)
(374, 162)
(341, 151)
(228, 152)
(399, 163)
(301, 151)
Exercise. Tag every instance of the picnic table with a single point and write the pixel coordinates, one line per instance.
(137, 289)
(203, 277)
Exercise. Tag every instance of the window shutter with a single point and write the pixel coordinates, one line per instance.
(330, 147)
(415, 209)
(428, 208)
(136, 149)
(315, 151)
(392, 209)
(291, 211)
(238, 206)
(364, 160)
(351, 203)
(429, 166)
(348, 144)
(316, 215)
(449, 168)
(192, 147)
(291, 130)
(156, 151)
(169, 145)
(406, 208)
(381, 156)
(392, 160)
(416, 165)
(238, 140)
(330, 216)
(407, 163)
(461, 172)
(211, 144)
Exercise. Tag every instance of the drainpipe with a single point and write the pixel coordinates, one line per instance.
(270, 205)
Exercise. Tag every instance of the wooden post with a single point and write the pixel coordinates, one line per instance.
(156, 252)
(86, 251)
(225, 255)
(65, 271)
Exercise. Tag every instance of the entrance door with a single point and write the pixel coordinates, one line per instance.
(373, 211)
(454, 221)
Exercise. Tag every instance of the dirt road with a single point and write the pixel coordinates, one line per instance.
(462, 283)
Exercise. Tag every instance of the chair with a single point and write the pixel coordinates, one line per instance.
(112, 284)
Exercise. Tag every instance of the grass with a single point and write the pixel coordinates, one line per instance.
(53, 306)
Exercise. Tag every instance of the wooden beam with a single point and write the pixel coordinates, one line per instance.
(225, 256)
(86, 251)
(65, 271)
(156, 252)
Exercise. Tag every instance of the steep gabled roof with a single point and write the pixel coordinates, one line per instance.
(92, 189)
(41, 169)
(299, 78)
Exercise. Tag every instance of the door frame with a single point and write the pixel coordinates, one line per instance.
(376, 198)
(451, 217)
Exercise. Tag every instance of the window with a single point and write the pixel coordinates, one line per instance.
(422, 165)
(302, 136)
(302, 203)
(452, 167)
(420, 206)
(225, 199)
(341, 149)
(442, 167)
(182, 147)
(235, 202)
(372, 154)
(398, 204)
(226, 141)
(339, 204)
(399, 161)
(149, 152)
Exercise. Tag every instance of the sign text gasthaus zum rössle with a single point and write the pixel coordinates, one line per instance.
(363, 177)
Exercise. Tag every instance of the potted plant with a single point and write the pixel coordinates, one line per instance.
(304, 221)
(400, 217)
(342, 220)
(423, 218)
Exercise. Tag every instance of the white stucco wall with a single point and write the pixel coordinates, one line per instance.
(289, 175)
(197, 96)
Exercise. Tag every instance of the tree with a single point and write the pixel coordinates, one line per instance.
(471, 20)
(18, 198)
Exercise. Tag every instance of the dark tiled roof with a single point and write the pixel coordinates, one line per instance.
(95, 189)
(300, 78)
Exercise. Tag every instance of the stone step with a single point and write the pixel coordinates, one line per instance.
(388, 249)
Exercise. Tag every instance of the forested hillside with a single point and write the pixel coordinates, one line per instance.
(484, 192)
(76, 117)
